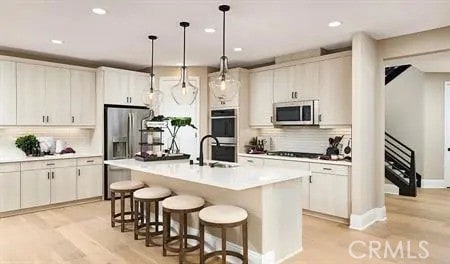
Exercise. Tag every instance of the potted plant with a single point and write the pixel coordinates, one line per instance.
(177, 123)
(28, 144)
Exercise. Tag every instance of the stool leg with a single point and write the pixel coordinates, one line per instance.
(202, 243)
(224, 247)
(131, 205)
(136, 220)
(166, 231)
(147, 224)
(122, 212)
(185, 230)
(141, 216)
(245, 242)
(156, 216)
(113, 208)
(181, 239)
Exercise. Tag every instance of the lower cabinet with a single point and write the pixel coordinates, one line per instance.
(89, 181)
(9, 187)
(35, 188)
(63, 185)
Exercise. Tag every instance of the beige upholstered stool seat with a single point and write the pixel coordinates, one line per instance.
(126, 185)
(152, 192)
(183, 202)
(223, 214)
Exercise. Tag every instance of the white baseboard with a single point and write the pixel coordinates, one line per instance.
(391, 188)
(428, 183)
(361, 222)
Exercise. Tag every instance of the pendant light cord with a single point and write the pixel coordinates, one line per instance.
(223, 35)
(184, 48)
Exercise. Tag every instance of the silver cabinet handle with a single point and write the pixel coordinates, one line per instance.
(50, 164)
(131, 99)
(89, 161)
(73, 119)
(79, 172)
(327, 169)
(53, 174)
(43, 119)
(271, 119)
(320, 117)
(296, 95)
(48, 175)
(310, 179)
(47, 119)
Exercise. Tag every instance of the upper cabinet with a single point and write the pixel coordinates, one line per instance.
(261, 98)
(122, 87)
(7, 93)
(55, 96)
(82, 97)
(31, 94)
(335, 91)
(283, 84)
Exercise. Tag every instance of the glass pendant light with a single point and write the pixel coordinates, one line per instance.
(224, 86)
(184, 92)
(154, 97)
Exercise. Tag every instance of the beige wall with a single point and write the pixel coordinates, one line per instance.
(405, 111)
(367, 126)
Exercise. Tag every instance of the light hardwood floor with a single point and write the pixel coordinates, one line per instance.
(82, 234)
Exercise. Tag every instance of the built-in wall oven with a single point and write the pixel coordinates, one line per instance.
(223, 127)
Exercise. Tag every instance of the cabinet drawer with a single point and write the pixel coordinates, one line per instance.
(89, 161)
(10, 167)
(251, 161)
(329, 169)
(287, 164)
(47, 164)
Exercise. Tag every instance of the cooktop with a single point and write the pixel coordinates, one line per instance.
(294, 154)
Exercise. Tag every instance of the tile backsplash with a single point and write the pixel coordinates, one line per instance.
(78, 139)
(304, 139)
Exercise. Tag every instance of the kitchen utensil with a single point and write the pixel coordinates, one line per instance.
(60, 145)
(348, 149)
(331, 141)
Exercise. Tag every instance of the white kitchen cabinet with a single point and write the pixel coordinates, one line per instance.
(261, 98)
(284, 84)
(122, 87)
(35, 188)
(306, 81)
(329, 190)
(9, 186)
(335, 91)
(214, 102)
(31, 94)
(8, 91)
(57, 96)
(63, 185)
(139, 84)
(82, 97)
(89, 181)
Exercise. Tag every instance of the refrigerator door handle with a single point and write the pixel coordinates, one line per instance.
(129, 135)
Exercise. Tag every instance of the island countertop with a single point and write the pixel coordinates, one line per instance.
(236, 178)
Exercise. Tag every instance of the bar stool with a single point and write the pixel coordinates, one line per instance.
(181, 205)
(144, 198)
(123, 188)
(223, 217)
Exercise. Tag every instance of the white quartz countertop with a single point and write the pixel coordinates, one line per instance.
(236, 178)
(265, 156)
(48, 157)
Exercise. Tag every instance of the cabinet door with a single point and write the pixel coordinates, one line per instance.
(89, 181)
(261, 98)
(82, 97)
(7, 93)
(329, 194)
(9, 191)
(139, 84)
(30, 94)
(307, 81)
(57, 96)
(283, 84)
(116, 87)
(64, 185)
(34, 188)
(335, 91)
(216, 103)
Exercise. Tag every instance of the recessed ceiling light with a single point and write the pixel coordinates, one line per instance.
(99, 11)
(335, 23)
(237, 49)
(210, 30)
(57, 41)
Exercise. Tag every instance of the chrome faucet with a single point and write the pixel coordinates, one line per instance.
(200, 158)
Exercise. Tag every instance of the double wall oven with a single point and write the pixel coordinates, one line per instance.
(223, 127)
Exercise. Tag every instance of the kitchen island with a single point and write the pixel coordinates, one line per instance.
(271, 196)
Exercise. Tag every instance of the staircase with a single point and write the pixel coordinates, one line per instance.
(390, 73)
(400, 166)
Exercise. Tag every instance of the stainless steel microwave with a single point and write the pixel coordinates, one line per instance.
(296, 113)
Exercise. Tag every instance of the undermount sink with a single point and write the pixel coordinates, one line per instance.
(222, 165)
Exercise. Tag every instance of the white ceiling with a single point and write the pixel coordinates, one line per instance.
(436, 62)
(263, 29)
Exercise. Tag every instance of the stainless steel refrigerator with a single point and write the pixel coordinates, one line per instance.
(122, 137)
